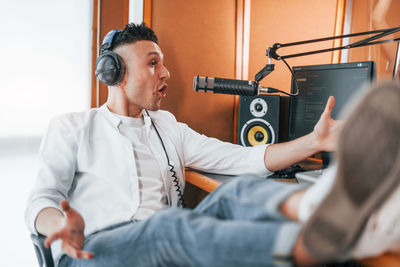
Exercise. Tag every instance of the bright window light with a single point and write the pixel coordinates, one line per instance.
(46, 62)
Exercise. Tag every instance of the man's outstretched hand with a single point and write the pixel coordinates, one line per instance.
(71, 235)
(327, 129)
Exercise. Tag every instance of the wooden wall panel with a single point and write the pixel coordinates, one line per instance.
(198, 38)
(288, 21)
(114, 14)
(362, 19)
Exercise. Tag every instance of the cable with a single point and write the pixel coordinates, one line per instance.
(293, 77)
(267, 70)
(271, 90)
(181, 202)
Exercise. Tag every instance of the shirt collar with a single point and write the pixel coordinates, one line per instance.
(115, 121)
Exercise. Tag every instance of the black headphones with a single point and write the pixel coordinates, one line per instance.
(110, 68)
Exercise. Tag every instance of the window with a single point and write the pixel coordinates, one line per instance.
(46, 62)
(45, 70)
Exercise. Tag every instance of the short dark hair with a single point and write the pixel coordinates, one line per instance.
(133, 33)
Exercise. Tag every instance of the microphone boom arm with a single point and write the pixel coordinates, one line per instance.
(271, 51)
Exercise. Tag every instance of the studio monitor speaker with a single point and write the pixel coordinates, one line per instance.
(262, 119)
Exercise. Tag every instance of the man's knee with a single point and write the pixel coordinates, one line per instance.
(245, 183)
(167, 219)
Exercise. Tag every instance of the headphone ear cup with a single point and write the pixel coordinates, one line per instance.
(110, 68)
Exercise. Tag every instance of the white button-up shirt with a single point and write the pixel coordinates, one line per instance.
(86, 160)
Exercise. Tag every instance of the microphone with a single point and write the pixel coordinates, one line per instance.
(229, 86)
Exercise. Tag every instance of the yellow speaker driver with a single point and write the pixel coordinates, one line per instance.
(257, 135)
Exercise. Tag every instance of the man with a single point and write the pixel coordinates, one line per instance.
(121, 164)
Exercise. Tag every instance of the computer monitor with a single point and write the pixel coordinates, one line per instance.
(318, 82)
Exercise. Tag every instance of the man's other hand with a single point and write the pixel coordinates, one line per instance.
(326, 131)
(71, 235)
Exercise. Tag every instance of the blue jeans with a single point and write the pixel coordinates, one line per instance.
(239, 224)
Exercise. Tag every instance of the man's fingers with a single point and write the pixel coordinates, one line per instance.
(84, 254)
(77, 253)
(329, 106)
(65, 206)
(70, 251)
(51, 238)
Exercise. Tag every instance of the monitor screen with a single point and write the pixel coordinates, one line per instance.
(318, 82)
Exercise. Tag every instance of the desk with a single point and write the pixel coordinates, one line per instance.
(206, 181)
(209, 182)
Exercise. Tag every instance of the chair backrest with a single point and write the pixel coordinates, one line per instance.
(43, 254)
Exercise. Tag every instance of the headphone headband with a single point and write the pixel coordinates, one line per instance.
(108, 40)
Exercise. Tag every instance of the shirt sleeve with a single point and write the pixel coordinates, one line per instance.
(57, 159)
(212, 155)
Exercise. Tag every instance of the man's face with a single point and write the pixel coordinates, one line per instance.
(144, 83)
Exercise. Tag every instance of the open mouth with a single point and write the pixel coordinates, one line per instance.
(163, 90)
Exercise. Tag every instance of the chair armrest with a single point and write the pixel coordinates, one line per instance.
(43, 254)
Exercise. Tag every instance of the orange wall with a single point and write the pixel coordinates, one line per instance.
(113, 14)
(362, 20)
(198, 38)
(288, 21)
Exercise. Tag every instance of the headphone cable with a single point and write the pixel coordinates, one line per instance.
(181, 201)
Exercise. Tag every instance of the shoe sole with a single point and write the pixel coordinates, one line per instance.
(358, 191)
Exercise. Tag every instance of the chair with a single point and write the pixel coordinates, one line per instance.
(43, 254)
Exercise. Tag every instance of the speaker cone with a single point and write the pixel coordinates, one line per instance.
(257, 132)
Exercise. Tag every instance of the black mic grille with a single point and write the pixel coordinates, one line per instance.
(234, 87)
